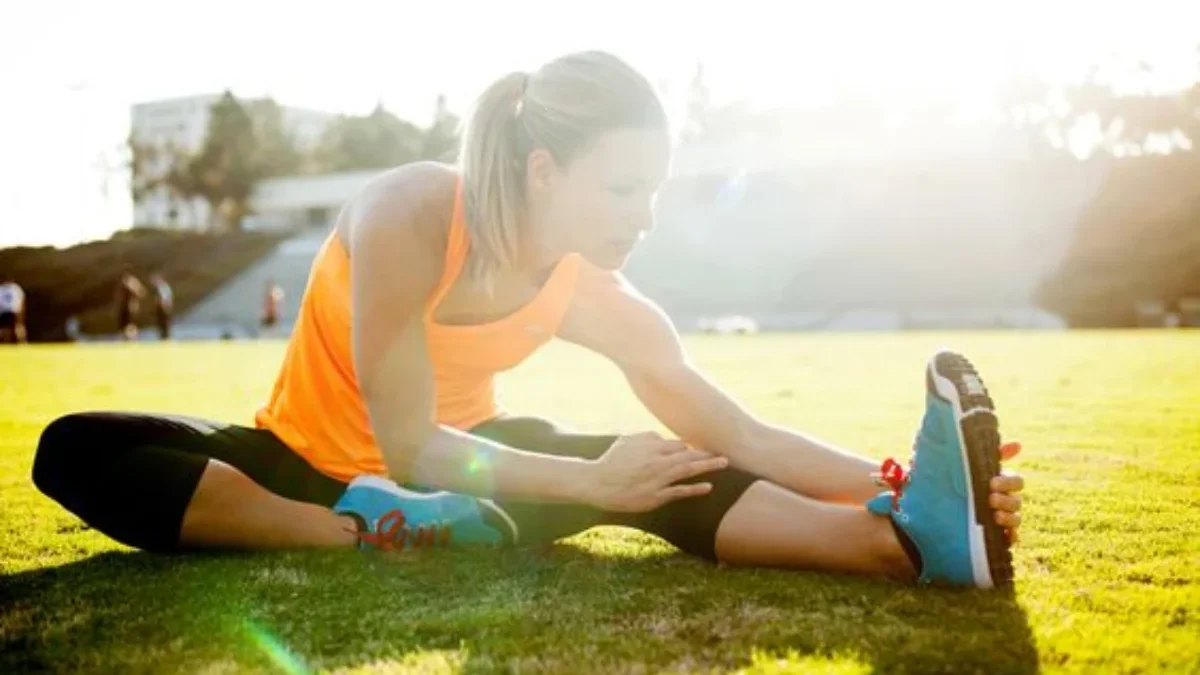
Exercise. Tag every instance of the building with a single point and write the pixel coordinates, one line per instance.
(303, 202)
(181, 124)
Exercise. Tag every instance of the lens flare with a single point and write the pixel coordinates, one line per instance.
(480, 463)
(282, 657)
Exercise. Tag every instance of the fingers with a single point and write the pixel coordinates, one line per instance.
(1003, 502)
(1007, 483)
(1009, 520)
(654, 442)
(1009, 450)
(673, 492)
(670, 447)
(1014, 536)
(694, 455)
(687, 465)
(644, 436)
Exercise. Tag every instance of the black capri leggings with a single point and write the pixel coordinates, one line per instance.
(132, 475)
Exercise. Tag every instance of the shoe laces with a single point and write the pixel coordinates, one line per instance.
(894, 476)
(394, 533)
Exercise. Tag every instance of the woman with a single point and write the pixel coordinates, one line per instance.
(433, 280)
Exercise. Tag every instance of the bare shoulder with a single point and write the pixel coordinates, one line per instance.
(405, 205)
(395, 231)
(609, 315)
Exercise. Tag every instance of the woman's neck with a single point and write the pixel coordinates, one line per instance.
(536, 258)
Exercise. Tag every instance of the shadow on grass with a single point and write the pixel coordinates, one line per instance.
(564, 609)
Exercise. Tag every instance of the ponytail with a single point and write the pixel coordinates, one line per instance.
(493, 180)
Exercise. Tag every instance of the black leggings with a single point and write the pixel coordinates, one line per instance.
(131, 476)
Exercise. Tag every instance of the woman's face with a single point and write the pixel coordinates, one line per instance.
(601, 204)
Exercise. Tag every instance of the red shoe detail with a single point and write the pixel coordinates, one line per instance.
(392, 533)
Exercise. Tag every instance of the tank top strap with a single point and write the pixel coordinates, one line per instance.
(560, 290)
(457, 246)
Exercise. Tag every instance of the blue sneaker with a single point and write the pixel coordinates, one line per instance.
(391, 517)
(941, 502)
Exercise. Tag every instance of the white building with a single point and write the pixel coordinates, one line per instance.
(181, 124)
(303, 201)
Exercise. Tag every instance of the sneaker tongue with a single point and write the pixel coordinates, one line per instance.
(909, 546)
(881, 504)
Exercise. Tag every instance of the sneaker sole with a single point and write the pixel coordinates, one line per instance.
(494, 514)
(951, 377)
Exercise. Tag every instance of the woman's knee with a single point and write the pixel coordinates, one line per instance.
(517, 431)
(56, 461)
(691, 524)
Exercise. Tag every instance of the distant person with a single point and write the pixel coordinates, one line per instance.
(129, 294)
(164, 303)
(12, 311)
(272, 301)
(71, 329)
(436, 278)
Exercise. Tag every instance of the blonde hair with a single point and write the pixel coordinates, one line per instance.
(561, 107)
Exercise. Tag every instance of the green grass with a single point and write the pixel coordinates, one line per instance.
(1108, 574)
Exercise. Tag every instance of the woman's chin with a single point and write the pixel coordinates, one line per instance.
(608, 261)
(610, 258)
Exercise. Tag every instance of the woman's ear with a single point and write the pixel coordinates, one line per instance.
(540, 170)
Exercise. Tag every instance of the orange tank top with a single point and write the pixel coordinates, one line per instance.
(316, 407)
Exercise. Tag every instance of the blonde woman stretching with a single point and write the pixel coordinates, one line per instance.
(382, 430)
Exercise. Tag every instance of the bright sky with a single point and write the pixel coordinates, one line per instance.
(71, 69)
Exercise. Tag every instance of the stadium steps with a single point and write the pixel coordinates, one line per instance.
(235, 308)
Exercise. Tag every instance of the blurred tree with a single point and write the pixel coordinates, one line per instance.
(1139, 240)
(179, 179)
(244, 144)
(225, 169)
(275, 149)
(379, 140)
(1133, 116)
(440, 141)
(161, 166)
(1037, 110)
(143, 168)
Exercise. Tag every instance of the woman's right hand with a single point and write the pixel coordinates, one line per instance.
(638, 473)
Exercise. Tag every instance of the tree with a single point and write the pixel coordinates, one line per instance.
(1034, 107)
(379, 140)
(244, 144)
(155, 167)
(143, 160)
(1138, 241)
(226, 168)
(1133, 116)
(274, 148)
(440, 141)
(179, 179)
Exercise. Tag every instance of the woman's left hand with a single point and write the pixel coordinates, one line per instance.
(1004, 498)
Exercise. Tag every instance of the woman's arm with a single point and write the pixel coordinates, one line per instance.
(609, 316)
(612, 318)
(396, 234)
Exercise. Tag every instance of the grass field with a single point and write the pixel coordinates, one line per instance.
(1108, 572)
